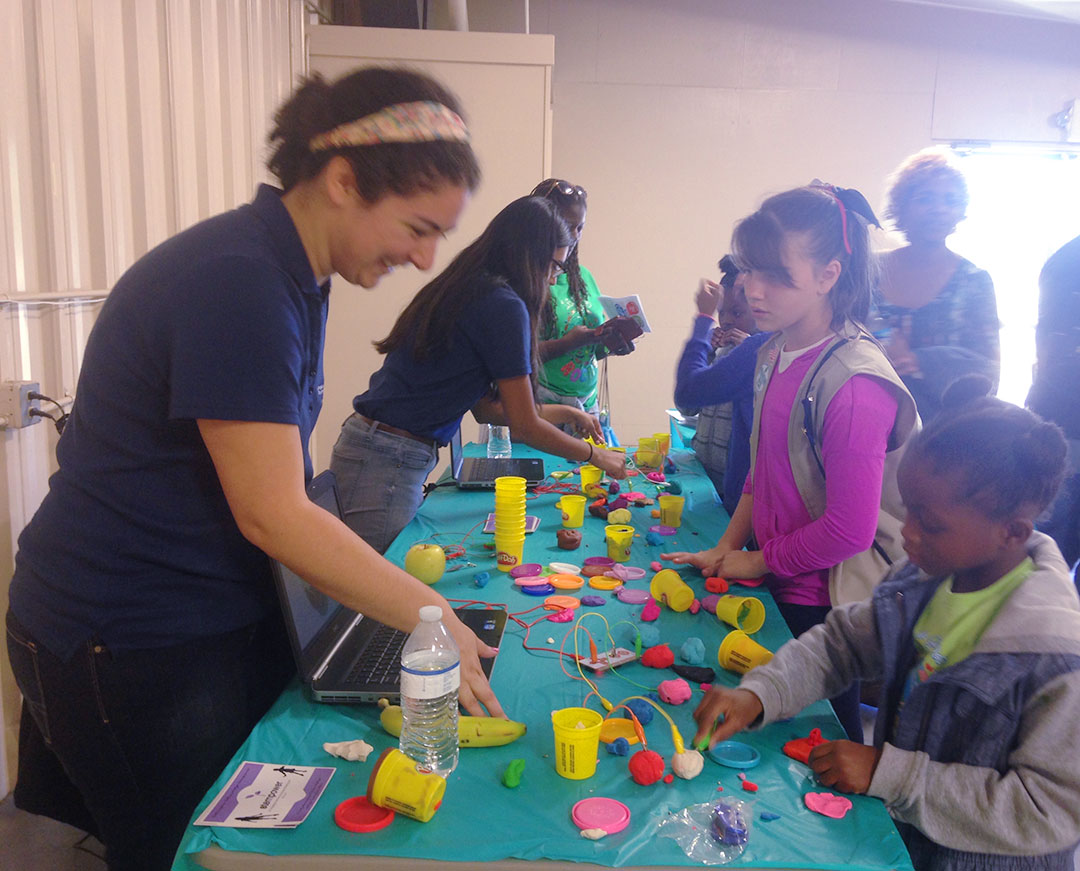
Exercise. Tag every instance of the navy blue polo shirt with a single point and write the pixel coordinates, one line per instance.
(134, 543)
(491, 340)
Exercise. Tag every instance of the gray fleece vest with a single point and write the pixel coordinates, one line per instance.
(853, 352)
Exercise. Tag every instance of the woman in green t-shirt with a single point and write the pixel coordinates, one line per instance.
(573, 332)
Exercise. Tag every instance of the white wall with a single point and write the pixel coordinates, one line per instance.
(679, 117)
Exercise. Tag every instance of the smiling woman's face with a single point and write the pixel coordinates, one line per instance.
(372, 239)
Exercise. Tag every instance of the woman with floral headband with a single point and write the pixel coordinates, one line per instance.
(143, 628)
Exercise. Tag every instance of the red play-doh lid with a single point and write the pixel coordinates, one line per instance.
(357, 814)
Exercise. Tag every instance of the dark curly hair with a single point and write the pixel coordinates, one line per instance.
(402, 168)
(565, 194)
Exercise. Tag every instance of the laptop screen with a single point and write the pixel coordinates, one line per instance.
(455, 455)
(314, 620)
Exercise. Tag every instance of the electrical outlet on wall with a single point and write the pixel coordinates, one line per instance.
(15, 403)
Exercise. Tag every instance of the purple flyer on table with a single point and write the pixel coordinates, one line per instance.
(262, 795)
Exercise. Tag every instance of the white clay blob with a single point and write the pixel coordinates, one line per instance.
(593, 834)
(353, 751)
(687, 764)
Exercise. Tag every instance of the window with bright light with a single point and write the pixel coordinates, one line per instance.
(1025, 204)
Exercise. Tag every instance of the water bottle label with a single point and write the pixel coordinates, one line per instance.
(430, 684)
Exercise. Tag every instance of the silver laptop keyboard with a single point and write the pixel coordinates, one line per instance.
(381, 662)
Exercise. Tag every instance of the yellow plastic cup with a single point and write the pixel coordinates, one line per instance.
(619, 539)
(648, 453)
(739, 652)
(663, 442)
(590, 475)
(577, 741)
(510, 485)
(395, 783)
(508, 551)
(742, 612)
(671, 509)
(667, 586)
(573, 511)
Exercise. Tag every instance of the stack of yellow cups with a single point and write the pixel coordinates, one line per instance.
(509, 521)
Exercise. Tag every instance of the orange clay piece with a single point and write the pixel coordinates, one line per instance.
(799, 748)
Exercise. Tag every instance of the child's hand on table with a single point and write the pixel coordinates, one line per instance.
(742, 564)
(737, 708)
(612, 462)
(844, 765)
(708, 562)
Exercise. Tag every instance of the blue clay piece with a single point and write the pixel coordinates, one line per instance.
(619, 747)
(669, 466)
(593, 601)
(653, 538)
(765, 815)
(613, 488)
(693, 651)
(654, 695)
(650, 635)
(481, 579)
(642, 710)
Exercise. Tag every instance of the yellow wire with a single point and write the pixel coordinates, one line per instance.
(676, 736)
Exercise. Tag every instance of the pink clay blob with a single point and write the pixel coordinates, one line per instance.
(827, 804)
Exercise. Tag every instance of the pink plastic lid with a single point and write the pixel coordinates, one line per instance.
(525, 570)
(601, 813)
(532, 581)
(599, 561)
(660, 529)
(633, 597)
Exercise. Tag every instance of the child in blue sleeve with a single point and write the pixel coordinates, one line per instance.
(716, 376)
(976, 639)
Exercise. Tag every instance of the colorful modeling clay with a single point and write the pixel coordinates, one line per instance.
(650, 636)
(674, 692)
(658, 657)
(619, 747)
(695, 674)
(617, 503)
(693, 651)
(646, 767)
(599, 509)
(716, 585)
(619, 515)
(651, 611)
(827, 804)
(481, 579)
(656, 565)
(613, 488)
(695, 606)
(768, 816)
(354, 751)
(512, 776)
(655, 513)
(642, 710)
(656, 477)
(568, 539)
(709, 603)
(799, 748)
(564, 616)
(687, 764)
(749, 786)
(653, 538)
(593, 601)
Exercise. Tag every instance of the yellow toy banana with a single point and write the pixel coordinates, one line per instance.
(472, 731)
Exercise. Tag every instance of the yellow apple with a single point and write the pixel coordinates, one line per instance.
(426, 562)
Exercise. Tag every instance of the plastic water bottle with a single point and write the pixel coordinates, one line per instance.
(499, 442)
(430, 677)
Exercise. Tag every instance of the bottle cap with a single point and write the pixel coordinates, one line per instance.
(430, 613)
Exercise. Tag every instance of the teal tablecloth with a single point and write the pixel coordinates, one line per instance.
(480, 819)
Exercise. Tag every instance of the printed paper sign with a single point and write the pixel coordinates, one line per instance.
(625, 307)
(262, 795)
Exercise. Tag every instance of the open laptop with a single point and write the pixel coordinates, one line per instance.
(478, 473)
(341, 655)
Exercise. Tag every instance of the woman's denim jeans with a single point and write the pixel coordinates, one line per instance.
(380, 479)
(142, 734)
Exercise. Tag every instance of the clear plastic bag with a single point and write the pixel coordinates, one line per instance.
(713, 833)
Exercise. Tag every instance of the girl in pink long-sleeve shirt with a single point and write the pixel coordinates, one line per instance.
(805, 255)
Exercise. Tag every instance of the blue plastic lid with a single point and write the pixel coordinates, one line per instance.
(538, 590)
(735, 754)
